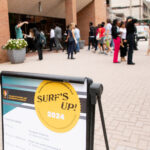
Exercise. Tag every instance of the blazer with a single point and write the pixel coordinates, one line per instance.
(131, 29)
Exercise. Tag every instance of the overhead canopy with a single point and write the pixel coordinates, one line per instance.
(49, 8)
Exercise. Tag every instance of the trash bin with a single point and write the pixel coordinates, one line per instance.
(82, 44)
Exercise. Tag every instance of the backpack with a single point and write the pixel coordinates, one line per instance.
(42, 40)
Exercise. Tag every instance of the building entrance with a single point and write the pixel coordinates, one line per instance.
(41, 23)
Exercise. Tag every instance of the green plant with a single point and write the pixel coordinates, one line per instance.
(15, 44)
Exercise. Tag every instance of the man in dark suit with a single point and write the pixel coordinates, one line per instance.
(130, 38)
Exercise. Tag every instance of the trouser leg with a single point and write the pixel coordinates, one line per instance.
(69, 49)
(93, 44)
(51, 44)
(40, 54)
(77, 45)
(131, 45)
(96, 44)
(72, 49)
(116, 51)
(130, 53)
(56, 42)
(59, 44)
(125, 49)
(89, 43)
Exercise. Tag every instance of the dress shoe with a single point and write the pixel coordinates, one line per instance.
(131, 63)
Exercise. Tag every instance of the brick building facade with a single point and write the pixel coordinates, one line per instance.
(4, 28)
(79, 11)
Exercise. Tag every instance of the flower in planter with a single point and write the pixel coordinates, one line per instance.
(15, 44)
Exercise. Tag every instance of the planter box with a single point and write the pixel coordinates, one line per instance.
(16, 56)
(82, 44)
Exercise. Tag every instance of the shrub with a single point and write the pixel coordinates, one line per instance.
(16, 44)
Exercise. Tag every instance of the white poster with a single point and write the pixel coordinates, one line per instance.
(43, 115)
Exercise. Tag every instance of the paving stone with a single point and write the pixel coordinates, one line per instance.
(126, 96)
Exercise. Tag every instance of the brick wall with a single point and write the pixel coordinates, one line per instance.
(83, 18)
(71, 10)
(95, 12)
(4, 29)
(100, 11)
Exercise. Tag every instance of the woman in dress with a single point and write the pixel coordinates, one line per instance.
(71, 41)
(123, 46)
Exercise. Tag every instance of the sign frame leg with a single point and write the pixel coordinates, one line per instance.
(96, 92)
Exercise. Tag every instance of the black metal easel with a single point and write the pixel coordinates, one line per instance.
(96, 91)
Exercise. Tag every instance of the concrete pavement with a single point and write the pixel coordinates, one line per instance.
(126, 97)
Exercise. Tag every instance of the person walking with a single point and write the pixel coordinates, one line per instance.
(38, 43)
(52, 38)
(30, 40)
(91, 36)
(108, 31)
(43, 39)
(101, 37)
(71, 41)
(95, 38)
(65, 42)
(108, 27)
(58, 38)
(123, 46)
(130, 38)
(116, 39)
(77, 36)
(107, 41)
(18, 30)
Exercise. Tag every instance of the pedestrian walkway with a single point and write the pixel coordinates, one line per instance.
(126, 96)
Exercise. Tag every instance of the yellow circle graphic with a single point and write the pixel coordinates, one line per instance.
(57, 105)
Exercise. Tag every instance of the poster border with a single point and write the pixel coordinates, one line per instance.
(90, 121)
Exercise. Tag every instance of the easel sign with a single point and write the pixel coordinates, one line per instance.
(42, 112)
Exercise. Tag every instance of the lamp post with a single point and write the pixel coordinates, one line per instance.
(140, 11)
(110, 10)
(131, 8)
(40, 6)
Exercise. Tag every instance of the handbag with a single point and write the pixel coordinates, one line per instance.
(98, 37)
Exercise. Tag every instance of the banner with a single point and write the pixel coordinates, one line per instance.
(43, 114)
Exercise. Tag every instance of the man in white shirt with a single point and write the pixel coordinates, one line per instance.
(52, 38)
(77, 36)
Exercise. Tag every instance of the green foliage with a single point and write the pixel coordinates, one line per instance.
(16, 44)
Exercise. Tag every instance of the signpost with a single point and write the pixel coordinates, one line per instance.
(43, 112)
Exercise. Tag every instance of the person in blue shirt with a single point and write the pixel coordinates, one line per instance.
(19, 34)
(77, 36)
